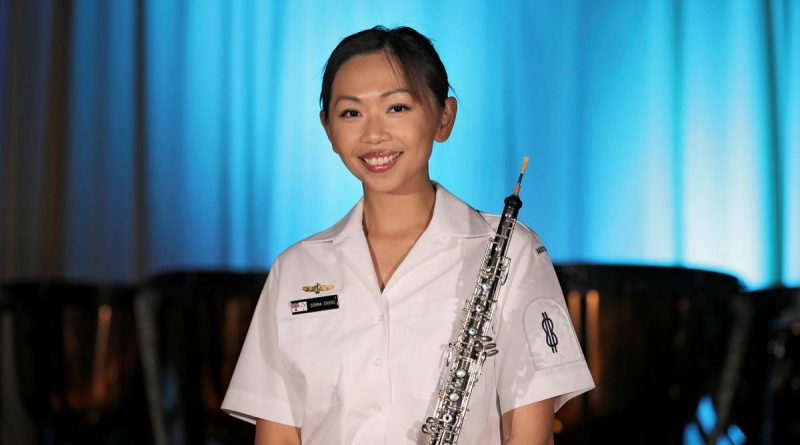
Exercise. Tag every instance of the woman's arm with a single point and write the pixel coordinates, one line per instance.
(531, 424)
(273, 433)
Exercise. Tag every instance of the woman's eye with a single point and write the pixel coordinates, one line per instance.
(349, 113)
(398, 108)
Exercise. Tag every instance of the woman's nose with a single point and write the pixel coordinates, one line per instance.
(374, 131)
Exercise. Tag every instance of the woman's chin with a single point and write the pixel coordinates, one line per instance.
(390, 186)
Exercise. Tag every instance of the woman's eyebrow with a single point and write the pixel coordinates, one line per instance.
(341, 98)
(384, 94)
(395, 91)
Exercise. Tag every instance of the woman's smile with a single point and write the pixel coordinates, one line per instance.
(380, 161)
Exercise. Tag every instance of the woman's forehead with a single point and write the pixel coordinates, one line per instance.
(369, 74)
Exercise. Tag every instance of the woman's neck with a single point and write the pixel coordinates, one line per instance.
(398, 214)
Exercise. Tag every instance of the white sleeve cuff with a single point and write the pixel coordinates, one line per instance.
(562, 383)
(249, 407)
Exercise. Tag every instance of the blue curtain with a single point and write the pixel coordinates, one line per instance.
(660, 132)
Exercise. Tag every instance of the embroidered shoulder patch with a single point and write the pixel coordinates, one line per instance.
(551, 338)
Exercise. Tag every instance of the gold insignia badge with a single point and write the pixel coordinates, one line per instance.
(317, 288)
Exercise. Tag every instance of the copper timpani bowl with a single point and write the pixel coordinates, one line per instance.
(655, 339)
(195, 323)
(71, 371)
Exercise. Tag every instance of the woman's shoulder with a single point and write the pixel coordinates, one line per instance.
(307, 245)
(348, 226)
(522, 232)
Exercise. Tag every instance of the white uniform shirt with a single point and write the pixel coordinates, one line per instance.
(367, 372)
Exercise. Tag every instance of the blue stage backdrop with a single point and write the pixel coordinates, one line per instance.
(660, 132)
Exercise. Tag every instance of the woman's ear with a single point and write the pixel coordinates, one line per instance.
(327, 126)
(447, 120)
(323, 119)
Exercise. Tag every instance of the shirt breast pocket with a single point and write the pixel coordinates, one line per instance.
(426, 335)
(314, 350)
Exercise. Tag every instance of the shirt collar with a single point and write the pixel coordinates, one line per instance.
(452, 217)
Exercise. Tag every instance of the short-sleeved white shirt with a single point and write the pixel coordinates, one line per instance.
(367, 372)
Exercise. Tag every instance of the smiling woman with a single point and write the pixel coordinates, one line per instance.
(362, 368)
(384, 132)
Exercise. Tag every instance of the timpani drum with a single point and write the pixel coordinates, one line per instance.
(654, 338)
(782, 394)
(71, 371)
(753, 392)
(193, 325)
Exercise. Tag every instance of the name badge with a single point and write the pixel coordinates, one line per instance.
(315, 304)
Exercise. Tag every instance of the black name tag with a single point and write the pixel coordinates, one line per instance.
(315, 304)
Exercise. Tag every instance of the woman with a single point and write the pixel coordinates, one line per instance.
(351, 331)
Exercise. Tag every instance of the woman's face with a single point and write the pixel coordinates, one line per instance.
(382, 133)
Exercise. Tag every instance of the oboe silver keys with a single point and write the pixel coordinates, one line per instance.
(473, 345)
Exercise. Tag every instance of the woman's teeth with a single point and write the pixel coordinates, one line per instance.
(375, 162)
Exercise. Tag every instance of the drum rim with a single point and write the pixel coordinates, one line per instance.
(58, 292)
(661, 278)
(205, 283)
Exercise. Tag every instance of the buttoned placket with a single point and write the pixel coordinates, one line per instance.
(382, 363)
(359, 261)
(423, 250)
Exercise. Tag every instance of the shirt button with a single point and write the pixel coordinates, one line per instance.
(380, 317)
(377, 362)
(377, 408)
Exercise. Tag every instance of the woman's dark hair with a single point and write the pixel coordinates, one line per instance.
(408, 50)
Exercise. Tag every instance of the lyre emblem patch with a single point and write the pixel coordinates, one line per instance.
(550, 336)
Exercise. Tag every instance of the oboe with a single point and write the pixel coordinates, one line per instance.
(474, 344)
